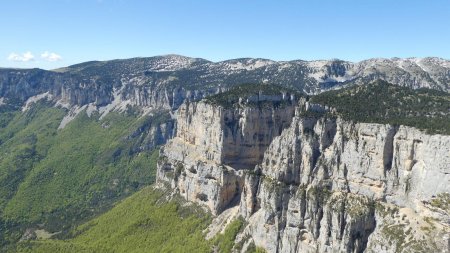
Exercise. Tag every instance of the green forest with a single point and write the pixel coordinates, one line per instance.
(381, 102)
(57, 178)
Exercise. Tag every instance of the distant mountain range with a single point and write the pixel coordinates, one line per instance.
(166, 81)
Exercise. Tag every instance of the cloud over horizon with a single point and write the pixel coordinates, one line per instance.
(28, 56)
(52, 57)
(25, 57)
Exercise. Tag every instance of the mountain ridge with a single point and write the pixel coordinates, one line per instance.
(436, 58)
(167, 81)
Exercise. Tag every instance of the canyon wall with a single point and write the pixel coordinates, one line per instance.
(318, 183)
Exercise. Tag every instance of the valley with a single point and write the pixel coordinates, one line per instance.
(162, 154)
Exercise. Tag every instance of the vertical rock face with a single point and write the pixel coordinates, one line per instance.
(237, 137)
(321, 184)
(212, 147)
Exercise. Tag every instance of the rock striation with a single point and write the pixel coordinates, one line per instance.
(305, 180)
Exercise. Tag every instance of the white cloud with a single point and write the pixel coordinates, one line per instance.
(25, 57)
(50, 56)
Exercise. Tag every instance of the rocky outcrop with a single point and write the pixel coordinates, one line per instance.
(322, 184)
(213, 146)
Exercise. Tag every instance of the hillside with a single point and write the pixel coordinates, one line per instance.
(54, 178)
(144, 222)
(147, 221)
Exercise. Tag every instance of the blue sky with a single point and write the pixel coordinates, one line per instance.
(49, 34)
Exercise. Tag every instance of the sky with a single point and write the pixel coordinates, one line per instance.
(50, 34)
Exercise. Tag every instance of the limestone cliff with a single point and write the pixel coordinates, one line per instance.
(213, 146)
(306, 180)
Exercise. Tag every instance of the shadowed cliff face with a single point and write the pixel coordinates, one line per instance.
(323, 184)
(234, 137)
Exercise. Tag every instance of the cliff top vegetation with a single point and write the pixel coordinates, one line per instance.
(382, 102)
